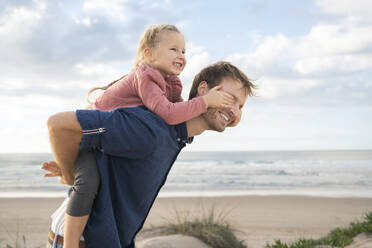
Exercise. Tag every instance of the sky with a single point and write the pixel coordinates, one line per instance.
(312, 61)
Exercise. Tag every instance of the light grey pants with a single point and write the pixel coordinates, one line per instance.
(85, 186)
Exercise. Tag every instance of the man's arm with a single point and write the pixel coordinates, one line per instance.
(65, 134)
(123, 133)
(126, 132)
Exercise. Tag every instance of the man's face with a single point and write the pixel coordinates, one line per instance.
(218, 119)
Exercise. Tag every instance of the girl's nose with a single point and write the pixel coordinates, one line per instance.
(181, 54)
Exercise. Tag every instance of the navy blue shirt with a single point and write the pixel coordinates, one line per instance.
(135, 149)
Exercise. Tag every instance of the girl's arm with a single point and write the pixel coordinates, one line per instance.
(177, 88)
(151, 90)
(172, 113)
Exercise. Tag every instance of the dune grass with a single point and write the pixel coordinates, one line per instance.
(211, 228)
(339, 237)
(19, 240)
(17, 243)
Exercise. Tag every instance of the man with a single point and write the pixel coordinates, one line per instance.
(134, 150)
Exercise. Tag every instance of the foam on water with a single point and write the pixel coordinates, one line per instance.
(312, 173)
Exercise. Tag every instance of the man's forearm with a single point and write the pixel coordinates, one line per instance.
(65, 134)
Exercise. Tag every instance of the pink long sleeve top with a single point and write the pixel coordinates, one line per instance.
(146, 86)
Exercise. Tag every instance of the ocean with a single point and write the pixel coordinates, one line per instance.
(346, 173)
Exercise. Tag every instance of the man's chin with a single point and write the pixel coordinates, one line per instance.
(220, 129)
(216, 129)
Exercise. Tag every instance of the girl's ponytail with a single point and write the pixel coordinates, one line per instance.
(102, 88)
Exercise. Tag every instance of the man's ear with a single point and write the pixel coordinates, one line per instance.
(203, 88)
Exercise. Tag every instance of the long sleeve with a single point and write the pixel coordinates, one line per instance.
(123, 132)
(174, 83)
(152, 89)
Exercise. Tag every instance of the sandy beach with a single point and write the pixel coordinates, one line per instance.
(258, 219)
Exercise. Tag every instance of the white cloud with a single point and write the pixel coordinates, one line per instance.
(26, 139)
(335, 39)
(114, 10)
(54, 51)
(274, 87)
(195, 63)
(192, 48)
(18, 22)
(11, 83)
(334, 64)
(346, 7)
(335, 53)
(98, 70)
(337, 48)
(87, 21)
(271, 53)
(104, 5)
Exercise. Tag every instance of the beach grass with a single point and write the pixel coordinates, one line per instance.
(19, 240)
(339, 237)
(211, 228)
(17, 243)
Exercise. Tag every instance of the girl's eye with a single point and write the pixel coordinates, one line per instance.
(173, 49)
(183, 51)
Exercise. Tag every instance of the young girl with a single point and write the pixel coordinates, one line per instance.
(153, 83)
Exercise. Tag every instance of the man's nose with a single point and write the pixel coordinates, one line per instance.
(235, 109)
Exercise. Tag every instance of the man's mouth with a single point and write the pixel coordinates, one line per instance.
(225, 117)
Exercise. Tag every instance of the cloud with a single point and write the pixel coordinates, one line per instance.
(51, 44)
(332, 64)
(346, 7)
(197, 58)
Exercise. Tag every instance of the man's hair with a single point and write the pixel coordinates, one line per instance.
(215, 73)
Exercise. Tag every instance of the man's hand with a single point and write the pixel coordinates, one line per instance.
(55, 171)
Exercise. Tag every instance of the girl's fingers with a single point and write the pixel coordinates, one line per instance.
(218, 87)
(228, 102)
(228, 98)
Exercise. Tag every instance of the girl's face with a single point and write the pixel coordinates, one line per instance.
(168, 56)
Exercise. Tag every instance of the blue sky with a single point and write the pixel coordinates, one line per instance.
(311, 59)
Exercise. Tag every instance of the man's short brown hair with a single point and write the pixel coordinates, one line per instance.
(215, 73)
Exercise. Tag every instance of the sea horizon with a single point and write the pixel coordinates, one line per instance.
(324, 173)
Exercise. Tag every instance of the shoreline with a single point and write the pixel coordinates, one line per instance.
(259, 219)
(210, 194)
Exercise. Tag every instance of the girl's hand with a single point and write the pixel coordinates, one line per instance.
(54, 171)
(215, 98)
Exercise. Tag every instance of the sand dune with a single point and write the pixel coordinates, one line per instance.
(259, 219)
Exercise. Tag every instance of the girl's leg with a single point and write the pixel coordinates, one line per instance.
(81, 200)
(65, 134)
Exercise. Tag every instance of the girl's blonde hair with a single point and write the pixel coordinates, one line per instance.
(149, 39)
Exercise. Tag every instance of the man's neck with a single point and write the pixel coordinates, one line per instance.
(195, 126)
